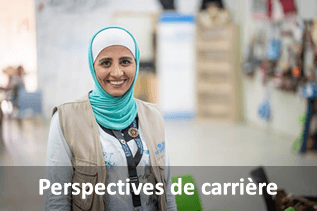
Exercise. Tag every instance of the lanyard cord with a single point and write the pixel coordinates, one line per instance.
(132, 161)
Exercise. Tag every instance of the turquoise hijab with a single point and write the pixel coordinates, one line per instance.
(111, 112)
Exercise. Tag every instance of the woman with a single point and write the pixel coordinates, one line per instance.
(109, 128)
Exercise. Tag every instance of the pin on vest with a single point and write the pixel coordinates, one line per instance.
(133, 132)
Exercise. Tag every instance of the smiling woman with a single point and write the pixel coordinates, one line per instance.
(108, 128)
(115, 69)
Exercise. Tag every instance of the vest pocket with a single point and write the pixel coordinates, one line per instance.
(82, 175)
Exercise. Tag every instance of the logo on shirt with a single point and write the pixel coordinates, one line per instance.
(108, 159)
(161, 148)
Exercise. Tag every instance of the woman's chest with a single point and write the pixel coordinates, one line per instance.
(114, 154)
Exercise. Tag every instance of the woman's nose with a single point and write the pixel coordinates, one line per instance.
(116, 71)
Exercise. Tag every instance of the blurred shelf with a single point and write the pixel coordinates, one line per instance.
(218, 74)
(214, 66)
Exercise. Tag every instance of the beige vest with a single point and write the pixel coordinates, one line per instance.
(80, 130)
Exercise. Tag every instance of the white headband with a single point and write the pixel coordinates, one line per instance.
(110, 37)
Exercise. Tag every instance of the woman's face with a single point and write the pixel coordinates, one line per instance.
(115, 69)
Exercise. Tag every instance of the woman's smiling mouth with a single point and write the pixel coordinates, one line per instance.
(117, 83)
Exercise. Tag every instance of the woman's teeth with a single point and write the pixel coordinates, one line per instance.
(116, 82)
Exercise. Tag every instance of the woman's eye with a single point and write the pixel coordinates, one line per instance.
(125, 62)
(105, 63)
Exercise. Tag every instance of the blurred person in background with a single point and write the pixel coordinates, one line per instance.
(109, 128)
(15, 83)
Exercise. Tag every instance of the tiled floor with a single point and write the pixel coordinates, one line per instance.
(190, 143)
(205, 144)
(25, 146)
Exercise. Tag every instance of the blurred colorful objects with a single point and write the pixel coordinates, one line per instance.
(296, 72)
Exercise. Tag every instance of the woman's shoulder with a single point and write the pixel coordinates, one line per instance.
(148, 108)
(72, 104)
(147, 104)
(81, 99)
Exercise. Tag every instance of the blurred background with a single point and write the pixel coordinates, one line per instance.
(235, 79)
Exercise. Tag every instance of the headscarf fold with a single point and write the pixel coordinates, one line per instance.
(111, 112)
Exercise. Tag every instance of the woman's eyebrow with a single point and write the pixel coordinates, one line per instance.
(105, 59)
(125, 57)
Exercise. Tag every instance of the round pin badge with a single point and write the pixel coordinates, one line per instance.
(122, 141)
(133, 132)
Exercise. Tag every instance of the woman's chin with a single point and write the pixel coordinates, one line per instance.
(116, 93)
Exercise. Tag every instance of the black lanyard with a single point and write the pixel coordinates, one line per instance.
(132, 161)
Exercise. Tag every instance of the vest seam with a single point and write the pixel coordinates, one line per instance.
(60, 121)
